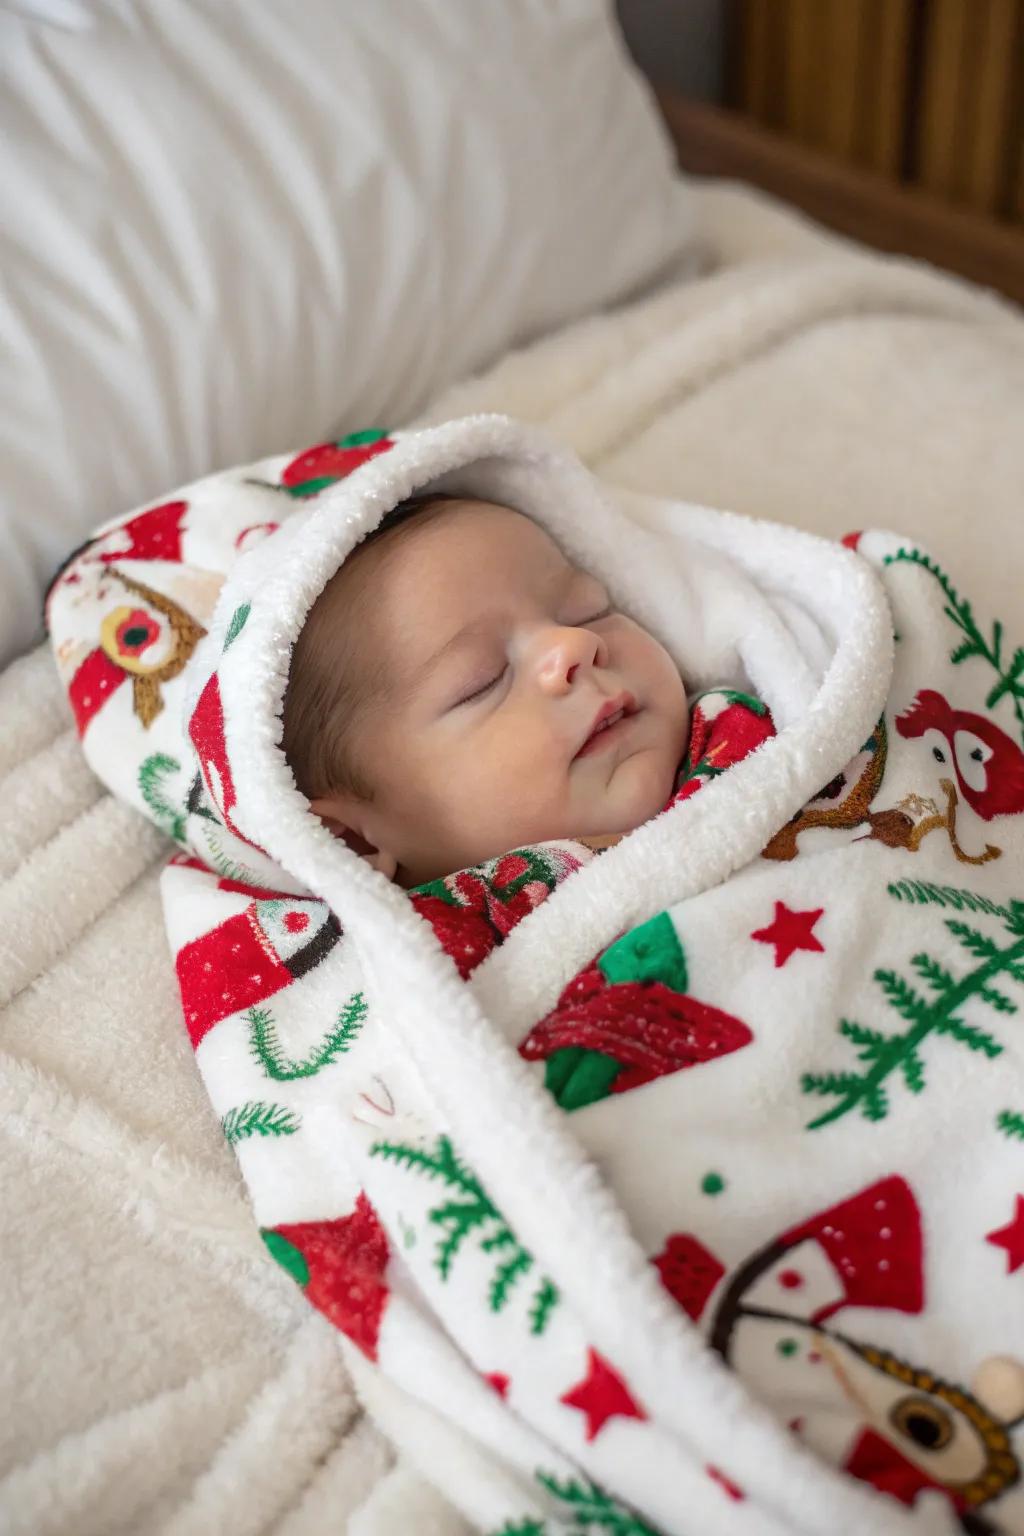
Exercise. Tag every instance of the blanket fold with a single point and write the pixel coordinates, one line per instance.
(669, 1211)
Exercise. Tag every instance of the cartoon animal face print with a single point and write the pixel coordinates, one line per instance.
(886, 1420)
(971, 756)
(988, 764)
(882, 1418)
(940, 1429)
(967, 755)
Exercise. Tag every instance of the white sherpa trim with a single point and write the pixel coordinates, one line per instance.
(739, 812)
(508, 1119)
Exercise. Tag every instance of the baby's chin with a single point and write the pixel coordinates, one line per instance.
(640, 788)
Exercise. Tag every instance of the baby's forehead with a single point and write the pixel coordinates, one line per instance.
(445, 551)
(453, 557)
(464, 531)
(456, 516)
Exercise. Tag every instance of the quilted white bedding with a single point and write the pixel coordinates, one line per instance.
(165, 1375)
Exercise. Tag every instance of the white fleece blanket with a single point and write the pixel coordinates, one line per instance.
(185, 1335)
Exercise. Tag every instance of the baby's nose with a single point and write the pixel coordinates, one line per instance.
(565, 656)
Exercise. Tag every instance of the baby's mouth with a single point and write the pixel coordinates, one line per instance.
(613, 716)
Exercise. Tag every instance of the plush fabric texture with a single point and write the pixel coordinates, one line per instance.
(777, 968)
(180, 1348)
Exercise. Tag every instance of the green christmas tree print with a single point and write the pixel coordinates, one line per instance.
(154, 772)
(257, 1118)
(471, 1213)
(208, 830)
(1011, 674)
(1011, 1124)
(930, 1013)
(265, 1046)
(593, 1510)
(588, 1509)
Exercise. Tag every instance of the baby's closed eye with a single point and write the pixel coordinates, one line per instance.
(587, 602)
(479, 691)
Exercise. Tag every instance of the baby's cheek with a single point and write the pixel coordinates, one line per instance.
(641, 654)
(667, 685)
(523, 784)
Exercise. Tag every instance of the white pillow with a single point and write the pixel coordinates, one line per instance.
(230, 230)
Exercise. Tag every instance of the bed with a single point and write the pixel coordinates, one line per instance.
(165, 1375)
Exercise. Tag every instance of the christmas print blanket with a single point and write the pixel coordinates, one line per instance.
(676, 1189)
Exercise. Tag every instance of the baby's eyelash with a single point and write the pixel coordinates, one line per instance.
(478, 693)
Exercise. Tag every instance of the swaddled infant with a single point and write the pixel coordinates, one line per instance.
(460, 689)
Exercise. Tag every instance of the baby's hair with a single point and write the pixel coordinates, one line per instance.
(322, 696)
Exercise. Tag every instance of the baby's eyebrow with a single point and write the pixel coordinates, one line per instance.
(469, 631)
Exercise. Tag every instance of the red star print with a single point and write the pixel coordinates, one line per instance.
(601, 1395)
(499, 1381)
(789, 932)
(1011, 1237)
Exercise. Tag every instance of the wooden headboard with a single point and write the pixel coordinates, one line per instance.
(898, 122)
(711, 141)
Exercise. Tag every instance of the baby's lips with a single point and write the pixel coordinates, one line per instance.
(623, 701)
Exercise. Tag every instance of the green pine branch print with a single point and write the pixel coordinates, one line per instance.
(925, 893)
(472, 1213)
(978, 944)
(266, 1048)
(154, 772)
(1011, 676)
(587, 1507)
(237, 624)
(545, 1297)
(701, 770)
(591, 1509)
(926, 1014)
(257, 1118)
(226, 867)
(1011, 1124)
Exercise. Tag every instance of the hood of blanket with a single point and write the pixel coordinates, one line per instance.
(172, 627)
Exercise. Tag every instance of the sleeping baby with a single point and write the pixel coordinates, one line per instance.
(650, 1157)
(460, 688)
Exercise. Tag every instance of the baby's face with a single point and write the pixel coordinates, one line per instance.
(515, 704)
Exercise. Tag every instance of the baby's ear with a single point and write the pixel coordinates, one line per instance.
(337, 817)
